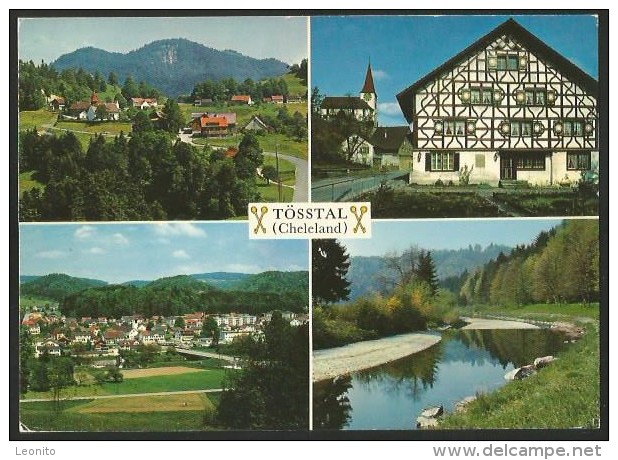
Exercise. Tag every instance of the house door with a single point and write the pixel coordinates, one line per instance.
(508, 169)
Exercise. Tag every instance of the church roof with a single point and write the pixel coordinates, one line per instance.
(344, 102)
(530, 41)
(368, 87)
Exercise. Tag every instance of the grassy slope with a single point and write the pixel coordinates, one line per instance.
(26, 182)
(36, 118)
(563, 395)
(566, 394)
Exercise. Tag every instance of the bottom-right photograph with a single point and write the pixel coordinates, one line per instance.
(458, 325)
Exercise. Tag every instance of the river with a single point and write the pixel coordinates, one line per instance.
(463, 363)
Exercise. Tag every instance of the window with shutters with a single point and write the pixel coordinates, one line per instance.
(443, 161)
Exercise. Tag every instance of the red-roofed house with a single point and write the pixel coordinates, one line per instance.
(277, 99)
(210, 126)
(241, 99)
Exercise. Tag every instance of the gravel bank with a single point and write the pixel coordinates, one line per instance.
(354, 357)
(481, 323)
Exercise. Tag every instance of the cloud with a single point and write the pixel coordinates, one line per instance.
(380, 74)
(180, 229)
(54, 254)
(180, 254)
(389, 108)
(119, 238)
(85, 231)
(95, 251)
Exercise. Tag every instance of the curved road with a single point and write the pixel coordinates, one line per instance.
(301, 187)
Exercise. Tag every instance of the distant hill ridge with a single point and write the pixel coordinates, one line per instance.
(364, 271)
(173, 65)
(58, 286)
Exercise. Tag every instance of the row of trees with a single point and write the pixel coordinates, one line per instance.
(561, 265)
(150, 176)
(37, 82)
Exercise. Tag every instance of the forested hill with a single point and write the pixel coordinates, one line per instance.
(365, 273)
(275, 280)
(173, 65)
(57, 286)
(558, 266)
(174, 295)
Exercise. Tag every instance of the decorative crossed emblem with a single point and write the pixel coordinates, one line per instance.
(260, 217)
(359, 224)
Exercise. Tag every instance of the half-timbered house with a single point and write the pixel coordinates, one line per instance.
(508, 107)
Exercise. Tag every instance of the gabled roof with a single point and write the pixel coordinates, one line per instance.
(81, 105)
(389, 138)
(368, 87)
(241, 98)
(344, 102)
(530, 41)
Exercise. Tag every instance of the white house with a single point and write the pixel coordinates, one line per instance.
(508, 107)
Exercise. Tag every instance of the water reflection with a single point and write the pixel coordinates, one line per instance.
(464, 363)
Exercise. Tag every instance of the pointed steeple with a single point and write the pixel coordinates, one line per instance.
(368, 86)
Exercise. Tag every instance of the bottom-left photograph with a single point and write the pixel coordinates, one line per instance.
(158, 327)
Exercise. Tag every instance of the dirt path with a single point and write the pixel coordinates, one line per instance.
(354, 357)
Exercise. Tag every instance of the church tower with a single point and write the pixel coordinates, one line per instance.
(368, 93)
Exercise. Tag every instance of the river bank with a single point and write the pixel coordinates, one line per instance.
(332, 362)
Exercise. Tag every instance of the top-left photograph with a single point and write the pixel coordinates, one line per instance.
(160, 118)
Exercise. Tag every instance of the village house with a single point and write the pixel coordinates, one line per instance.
(256, 124)
(241, 99)
(392, 146)
(84, 110)
(202, 102)
(508, 108)
(48, 346)
(210, 126)
(56, 103)
(143, 103)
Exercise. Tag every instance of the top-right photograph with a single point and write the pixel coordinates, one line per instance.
(457, 116)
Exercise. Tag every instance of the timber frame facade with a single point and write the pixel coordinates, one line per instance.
(508, 107)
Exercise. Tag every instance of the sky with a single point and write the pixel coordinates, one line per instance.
(404, 49)
(397, 236)
(146, 251)
(259, 37)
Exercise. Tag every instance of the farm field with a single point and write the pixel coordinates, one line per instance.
(156, 371)
(192, 380)
(140, 413)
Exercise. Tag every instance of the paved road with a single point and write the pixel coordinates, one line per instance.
(345, 189)
(161, 393)
(301, 187)
(50, 126)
